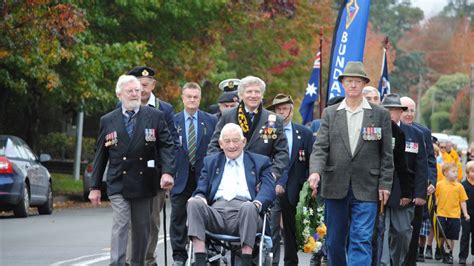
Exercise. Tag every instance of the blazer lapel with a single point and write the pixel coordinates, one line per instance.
(256, 132)
(250, 175)
(181, 128)
(341, 119)
(366, 122)
(217, 177)
(201, 128)
(295, 145)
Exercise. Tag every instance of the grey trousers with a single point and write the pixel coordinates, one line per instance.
(156, 206)
(235, 217)
(125, 213)
(397, 234)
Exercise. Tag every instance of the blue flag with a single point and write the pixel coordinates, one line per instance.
(348, 41)
(384, 83)
(312, 91)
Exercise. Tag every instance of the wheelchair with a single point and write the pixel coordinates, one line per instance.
(226, 248)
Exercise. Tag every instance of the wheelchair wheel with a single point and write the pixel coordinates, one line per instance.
(268, 260)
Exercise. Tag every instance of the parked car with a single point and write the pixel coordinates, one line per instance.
(24, 181)
(460, 142)
(86, 182)
(440, 136)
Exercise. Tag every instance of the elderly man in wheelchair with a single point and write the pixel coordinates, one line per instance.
(234, 189)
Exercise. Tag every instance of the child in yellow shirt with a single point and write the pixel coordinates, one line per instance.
(450, 200)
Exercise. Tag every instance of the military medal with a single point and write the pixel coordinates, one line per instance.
(150, 134)
(114, 138)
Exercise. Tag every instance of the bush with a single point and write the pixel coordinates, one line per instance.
(62, 147)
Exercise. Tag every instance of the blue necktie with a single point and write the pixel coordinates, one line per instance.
(130, 122)
(251, 115)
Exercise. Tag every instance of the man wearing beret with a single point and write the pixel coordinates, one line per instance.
(146, 77)
(226, 101)
(353, 155)
(300, 143)
(262, 129)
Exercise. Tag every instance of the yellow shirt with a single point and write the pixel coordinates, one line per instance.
(452, 157)
(439, 173)
(449, 196)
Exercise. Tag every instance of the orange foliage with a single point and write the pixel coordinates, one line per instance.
(448, 45)
(373, 55)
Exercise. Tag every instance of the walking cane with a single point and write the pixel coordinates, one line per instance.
(164, 233)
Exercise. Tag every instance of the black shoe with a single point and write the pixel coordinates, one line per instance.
(462, 261)
(448, 258)
(429, 253)
(420, 257)
(438, 255)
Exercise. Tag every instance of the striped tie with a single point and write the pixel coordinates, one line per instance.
(192, 141)
(130, 122)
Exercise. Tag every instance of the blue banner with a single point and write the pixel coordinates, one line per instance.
(384, 83)
(348, 41)
(312, 92)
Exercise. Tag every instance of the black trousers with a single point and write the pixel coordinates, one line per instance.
(178, 228)
(410, 259)
(466, 236)
(288, 214)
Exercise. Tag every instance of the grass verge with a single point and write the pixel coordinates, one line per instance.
(64, 184)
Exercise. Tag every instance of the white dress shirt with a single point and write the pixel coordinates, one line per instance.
(233, 183)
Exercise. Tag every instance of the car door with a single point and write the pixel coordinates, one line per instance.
(38, 182)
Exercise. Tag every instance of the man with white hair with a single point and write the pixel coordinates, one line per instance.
(234, 188)
(136, 142)
(262, 129)
(422, 189)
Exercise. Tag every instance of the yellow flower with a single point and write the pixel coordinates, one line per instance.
(310, 245)
(321, 230)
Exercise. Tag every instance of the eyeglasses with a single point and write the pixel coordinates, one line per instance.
(442, 147)
(130, 91)
(410, 111)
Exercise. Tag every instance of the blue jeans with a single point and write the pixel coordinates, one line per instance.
(350, 224)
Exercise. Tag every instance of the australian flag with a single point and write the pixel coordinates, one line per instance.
(312, 91)
(384, 83)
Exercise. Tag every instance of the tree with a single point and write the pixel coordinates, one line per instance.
(439, 99)
(48, 64)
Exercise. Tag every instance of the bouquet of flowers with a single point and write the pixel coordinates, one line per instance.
(310, 227)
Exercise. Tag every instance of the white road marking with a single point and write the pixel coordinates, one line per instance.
(103, 257)
(78, 258)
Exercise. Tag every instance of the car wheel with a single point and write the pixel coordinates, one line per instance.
(22, 208)
(47, 207)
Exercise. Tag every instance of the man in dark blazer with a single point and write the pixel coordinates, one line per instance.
(300, 142)
(195, 129)
(135, 140)
(422, 188)
(353, 155)
(400, 213)
(146, 76)
(262, 129)
(234, 188)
